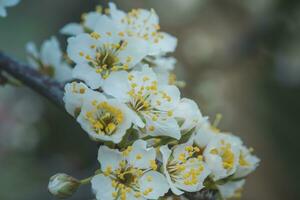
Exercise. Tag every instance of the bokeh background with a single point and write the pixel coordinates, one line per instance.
(239, 58)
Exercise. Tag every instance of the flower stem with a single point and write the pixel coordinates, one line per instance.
(86, 180)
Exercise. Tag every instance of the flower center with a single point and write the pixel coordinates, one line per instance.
(228, 158)
(106, 59)
(226, 154)
(242, 161)
(188, 167)
(125, 180)
(127, 176)
(140, 95)
(140, 103)
(105, 118)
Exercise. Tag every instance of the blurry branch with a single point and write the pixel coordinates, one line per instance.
(53, 91)
(41, 84)
(3, 79)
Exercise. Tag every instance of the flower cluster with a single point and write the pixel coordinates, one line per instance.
(6, 3)
(154, 143)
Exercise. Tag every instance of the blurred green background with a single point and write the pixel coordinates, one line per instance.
(238, 58)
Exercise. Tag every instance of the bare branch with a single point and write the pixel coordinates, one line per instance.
(30, 77)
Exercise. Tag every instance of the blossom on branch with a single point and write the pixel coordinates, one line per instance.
(49, 61)
(153, 102)
(154, 143)
(123, 177)
(184, 168)
(106, 119)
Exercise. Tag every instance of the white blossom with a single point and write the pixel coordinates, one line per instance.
(184, 168)
(126, 87)
(231, 189)
(222, 155)
(108, 50)
(247, 163)
(188, 114)
(6, 3)
(204, 133)
(139, 23)
(144, 24)
(74, 96)
(124, 177)
(106, 119)
(153, 102)
(49, 61)
(162, 66)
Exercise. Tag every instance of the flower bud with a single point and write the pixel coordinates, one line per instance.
(63, 185)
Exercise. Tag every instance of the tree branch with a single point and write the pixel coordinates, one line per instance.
(30, 77)
(53, 91)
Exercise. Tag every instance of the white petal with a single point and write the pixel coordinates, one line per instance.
(75, 93)
(50, 52)
(105, 25)
(137, 49)
(171, 91)
(164, 63)
(144, 71)
(165, 45)
(72, 29)
(188, 111)
(91, 20)
(3, 12)
(131, 196)
(32, 49)
(102, 187)
(109, 158)
(228, 189)
(81, 44)
(243, 171)
(33, 54)
(156, 181)
(117, 85)
(88, 75)
(163, 127)
(63, 72)
(180, 149)
(135, 118)
(204, 134)
(144, 77)
(115, 13)
(215, 164)
(146, 20)
(166, 153)
(140, 156)
(251, 164)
